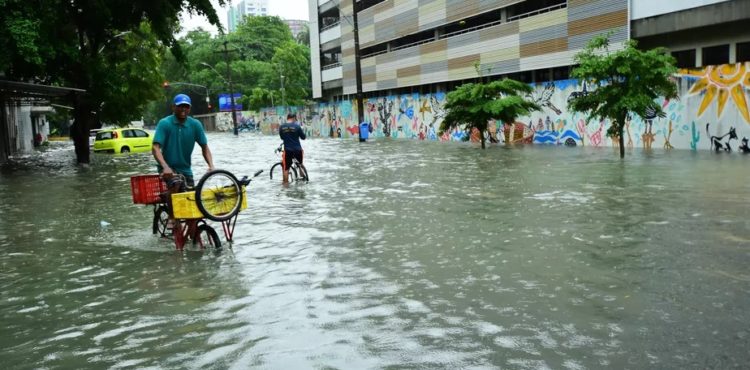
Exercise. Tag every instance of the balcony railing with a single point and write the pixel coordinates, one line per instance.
(538, 11)
(471, 29)
(329, 66)
(328, 27)
(374, 54)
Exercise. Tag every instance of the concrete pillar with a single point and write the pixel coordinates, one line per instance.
(25, 139)
(698, 56)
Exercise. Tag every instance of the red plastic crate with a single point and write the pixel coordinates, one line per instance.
(146, 188)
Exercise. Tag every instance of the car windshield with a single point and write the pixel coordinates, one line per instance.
(105, 135)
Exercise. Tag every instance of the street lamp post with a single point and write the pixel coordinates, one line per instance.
(283, 94)
(231, 89)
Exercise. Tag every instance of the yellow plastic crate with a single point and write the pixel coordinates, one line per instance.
(184, 206)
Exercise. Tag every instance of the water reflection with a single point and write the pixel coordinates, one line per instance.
(397, 254)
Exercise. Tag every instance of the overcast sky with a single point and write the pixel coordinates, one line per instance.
(286, 9)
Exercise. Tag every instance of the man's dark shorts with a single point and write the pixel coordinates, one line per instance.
(288, 155)
(183, 181)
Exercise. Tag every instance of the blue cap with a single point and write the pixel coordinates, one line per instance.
(180, 99)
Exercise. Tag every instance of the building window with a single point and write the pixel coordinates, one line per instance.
(543, 75)
(716, 55)
(561, 73)
(743, 52)
(523, 76)
(685, 58)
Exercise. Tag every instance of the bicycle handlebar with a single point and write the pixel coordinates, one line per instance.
(246, 181)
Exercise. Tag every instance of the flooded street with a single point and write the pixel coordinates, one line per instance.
(397, 254)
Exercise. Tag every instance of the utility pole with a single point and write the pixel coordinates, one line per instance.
(231, 88)
(358, 67)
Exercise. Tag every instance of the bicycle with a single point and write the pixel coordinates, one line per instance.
(297, 171)
(218, 196)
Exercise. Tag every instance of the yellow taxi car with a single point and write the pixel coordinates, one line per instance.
(123, 140)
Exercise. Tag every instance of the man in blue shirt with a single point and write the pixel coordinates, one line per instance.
(291, 132)
(173, 145)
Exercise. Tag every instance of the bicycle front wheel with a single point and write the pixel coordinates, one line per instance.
(207, 237)
(218, 195)
(277, 169)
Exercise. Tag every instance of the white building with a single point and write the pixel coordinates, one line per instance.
(245, 8)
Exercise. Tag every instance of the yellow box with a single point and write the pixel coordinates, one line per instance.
(184, 206)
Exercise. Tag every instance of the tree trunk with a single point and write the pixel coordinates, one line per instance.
(622, 137)
(80, 130)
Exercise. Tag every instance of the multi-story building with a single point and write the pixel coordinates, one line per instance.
(429, 45)
(402, 56)
(245, 8)
(697, 32)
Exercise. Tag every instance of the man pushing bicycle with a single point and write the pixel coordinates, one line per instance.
(173, 146)
(291, 133)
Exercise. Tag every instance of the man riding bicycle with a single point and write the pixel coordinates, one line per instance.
(291, 133)
(173, 146)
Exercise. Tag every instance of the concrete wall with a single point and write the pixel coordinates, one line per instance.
(714, 14)
(317, 89)
(649, 8)
(713, 102)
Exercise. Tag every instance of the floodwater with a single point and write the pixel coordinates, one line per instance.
(397, 254)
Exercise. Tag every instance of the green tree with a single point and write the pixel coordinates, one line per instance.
(473, 105)
(71, 43)
(292, 60)
(257, 37)
(260, 97)
(626, 81)
(131, 76)
(303, 37)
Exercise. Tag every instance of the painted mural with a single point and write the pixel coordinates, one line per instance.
(712, 113)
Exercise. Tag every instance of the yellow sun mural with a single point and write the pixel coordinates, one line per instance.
(720, 82)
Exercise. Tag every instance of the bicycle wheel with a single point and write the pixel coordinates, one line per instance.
(218, 195)
(206, 236)
(161, 216)
(303, 176)
(278, 172)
